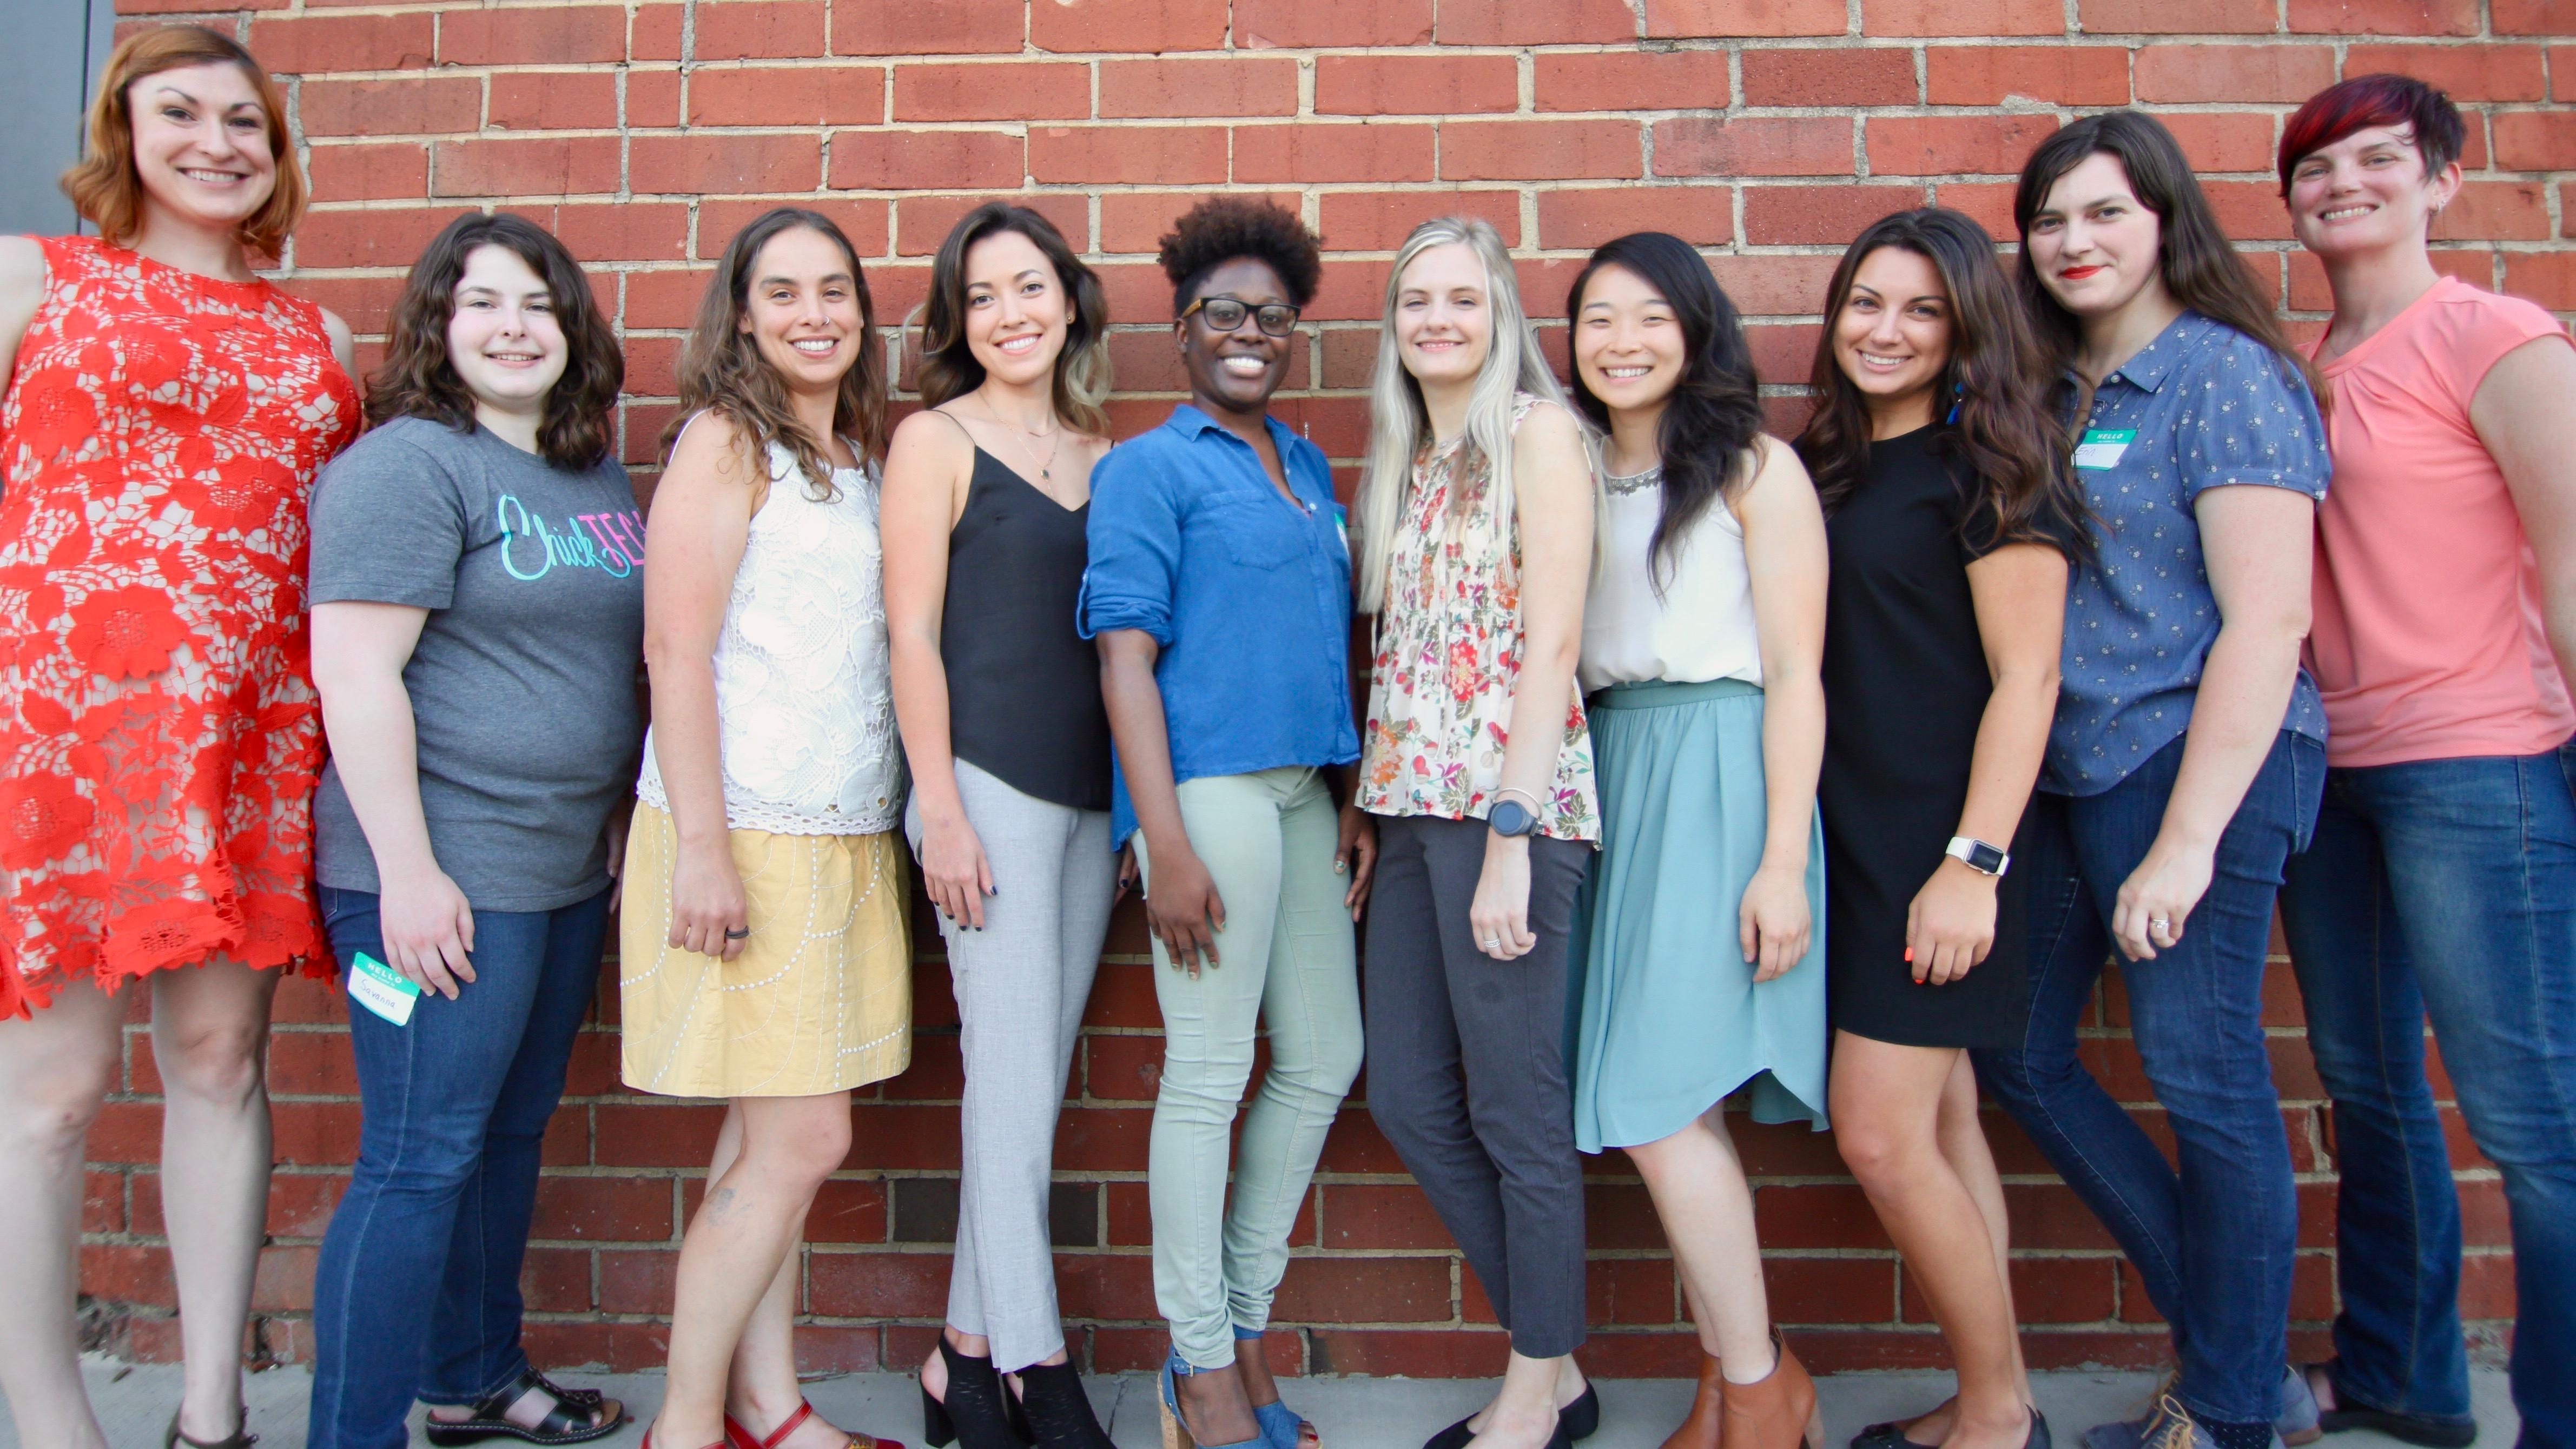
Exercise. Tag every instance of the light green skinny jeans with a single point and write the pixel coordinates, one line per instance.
(1285, 956)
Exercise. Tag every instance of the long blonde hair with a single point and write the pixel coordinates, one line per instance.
(1399, 424)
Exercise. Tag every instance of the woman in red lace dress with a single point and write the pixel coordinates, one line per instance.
(159, 737)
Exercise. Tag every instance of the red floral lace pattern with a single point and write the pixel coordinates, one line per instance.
(159, 733)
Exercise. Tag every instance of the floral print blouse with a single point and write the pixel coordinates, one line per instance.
(1449, 645)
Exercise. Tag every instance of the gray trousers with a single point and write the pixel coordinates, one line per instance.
(1467, 1069)
(1021, 984)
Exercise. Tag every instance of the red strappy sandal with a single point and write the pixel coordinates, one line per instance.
(738, 1437)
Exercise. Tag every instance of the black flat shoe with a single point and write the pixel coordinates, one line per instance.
(568, 1422)
(1582, 1418)
(1588, 1406)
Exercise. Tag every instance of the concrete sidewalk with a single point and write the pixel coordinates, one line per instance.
(134, 1405)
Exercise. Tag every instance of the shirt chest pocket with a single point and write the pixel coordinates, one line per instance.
(1261, 533)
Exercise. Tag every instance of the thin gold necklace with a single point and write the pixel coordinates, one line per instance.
(1046, 469)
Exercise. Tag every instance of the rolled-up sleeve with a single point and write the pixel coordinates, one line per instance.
(1135, 539)
(2249, 420)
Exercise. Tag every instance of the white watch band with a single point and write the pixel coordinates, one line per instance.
(1965, 849)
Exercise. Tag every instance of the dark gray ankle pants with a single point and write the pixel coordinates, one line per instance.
(1466, 1067)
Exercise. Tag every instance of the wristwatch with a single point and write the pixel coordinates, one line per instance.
(1510, 817)
(1978, 856)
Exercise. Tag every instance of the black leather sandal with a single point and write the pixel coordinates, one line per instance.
(568, 1422)
(242, 1437)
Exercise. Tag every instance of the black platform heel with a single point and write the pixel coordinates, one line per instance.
(1058, 1413)
(975, 1409)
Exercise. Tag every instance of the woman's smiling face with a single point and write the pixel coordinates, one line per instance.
(1628, 343)
(2094, 245)
(2366, 192)
(201, 145)
(1237, 370)
(1444, 319)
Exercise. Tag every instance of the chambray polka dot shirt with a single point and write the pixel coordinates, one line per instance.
(2203, 406)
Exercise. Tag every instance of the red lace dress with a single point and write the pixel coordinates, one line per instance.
(159, 733)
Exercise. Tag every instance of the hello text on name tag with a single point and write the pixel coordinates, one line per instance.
(2102, 447)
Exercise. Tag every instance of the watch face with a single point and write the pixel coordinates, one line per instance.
(1509, 817)
(1984, 857)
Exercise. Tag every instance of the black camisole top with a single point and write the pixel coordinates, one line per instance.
(1023, 688)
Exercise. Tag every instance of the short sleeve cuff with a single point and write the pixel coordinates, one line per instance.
(1102, 615)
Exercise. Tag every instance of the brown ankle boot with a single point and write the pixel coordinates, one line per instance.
(1777, 1413)
(1700, 1428)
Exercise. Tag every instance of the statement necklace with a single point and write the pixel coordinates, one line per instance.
(1623, 484)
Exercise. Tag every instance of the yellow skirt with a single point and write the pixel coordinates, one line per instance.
(820, 1000)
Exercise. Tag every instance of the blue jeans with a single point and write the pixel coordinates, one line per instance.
(417, 1294)
(2448, 888)
(2214, 1240)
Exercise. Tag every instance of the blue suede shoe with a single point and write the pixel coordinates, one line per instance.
(1281, 1428)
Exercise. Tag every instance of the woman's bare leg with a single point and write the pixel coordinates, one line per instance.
(1706, 1207)
(734, 1257)
(55, 1069)
(210, 1040)
(1887, 1102)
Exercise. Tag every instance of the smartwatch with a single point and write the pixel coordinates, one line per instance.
(1978, 856)
(1511, 817)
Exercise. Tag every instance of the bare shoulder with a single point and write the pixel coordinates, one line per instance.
(712, 446)
(22, 286)
(930, 446)
(1549, 425)
(22, 267)
(344, 343)
(1777, 465)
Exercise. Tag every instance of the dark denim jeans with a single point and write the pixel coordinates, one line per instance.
(2214, 1240)
(417, 1294)
(2448, 888)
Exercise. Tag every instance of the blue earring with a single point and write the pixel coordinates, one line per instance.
(1956, 394)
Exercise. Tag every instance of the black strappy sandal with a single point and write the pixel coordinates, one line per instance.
(568, 1422)
(242, 1437)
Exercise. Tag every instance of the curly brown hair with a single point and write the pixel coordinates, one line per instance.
(103, 185)
(722, 371)
(417, 379)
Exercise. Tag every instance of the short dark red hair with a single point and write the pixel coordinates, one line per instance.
(2373, 100)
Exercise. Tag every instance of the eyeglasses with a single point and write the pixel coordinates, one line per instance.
(1225, 314)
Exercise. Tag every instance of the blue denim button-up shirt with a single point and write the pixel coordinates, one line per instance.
(1249, 596)
(2205, 406)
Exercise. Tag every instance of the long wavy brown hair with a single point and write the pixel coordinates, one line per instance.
(103, 185)
(2197, 262)
(722, 371)
(948, 365)
(418, 380)
(2014, 449)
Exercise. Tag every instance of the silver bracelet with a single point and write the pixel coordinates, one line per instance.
(1537, 806)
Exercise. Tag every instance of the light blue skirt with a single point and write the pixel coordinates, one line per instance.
(1666, 1021)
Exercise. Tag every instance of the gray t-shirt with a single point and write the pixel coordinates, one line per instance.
(523, 685)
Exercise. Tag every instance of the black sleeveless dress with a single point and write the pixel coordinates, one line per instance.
(1024, 699)
(1905, 690)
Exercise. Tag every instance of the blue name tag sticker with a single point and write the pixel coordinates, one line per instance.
(383, 990)
(2101, 447)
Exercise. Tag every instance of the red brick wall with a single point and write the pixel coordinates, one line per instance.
(1766, 130)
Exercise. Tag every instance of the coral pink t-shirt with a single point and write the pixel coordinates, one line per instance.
(2428, 641)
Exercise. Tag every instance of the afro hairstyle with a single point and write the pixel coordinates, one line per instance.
(1222, 228)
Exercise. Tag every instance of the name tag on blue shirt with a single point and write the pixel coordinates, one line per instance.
(2102, 447)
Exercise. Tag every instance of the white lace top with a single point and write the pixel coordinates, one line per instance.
(804, 694)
